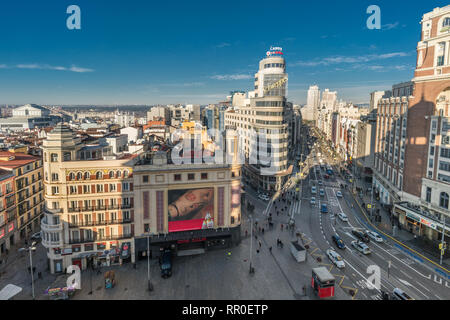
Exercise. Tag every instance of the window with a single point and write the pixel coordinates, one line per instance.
(440, 54)
(177, 177)
(146, 227)
(145, 179)
(72, 176)
(86, 188)
(446, 22)
(55, 190)
(125, 174)
(111, 174)
(125, 186)
(87, 175)
(99, 175)
(112, 187)
(99, 188)
(79, 176)
(428, 195)
(432, 151)
(443, 200)
(430, 163)
(55, 177)
(191, 176)
(54, 157)
(204, 176)
(67, 156)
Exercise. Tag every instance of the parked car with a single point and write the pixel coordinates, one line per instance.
(361, 236)
(36, 236)
(339, 194)
(338, 241)
(335, 258)
(313, 190)
(361, 247)
(322, 193)
(374, 236)
(342, 216)
(399, 294)
(313, 201)
(324, 208)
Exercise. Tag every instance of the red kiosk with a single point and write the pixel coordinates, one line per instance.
(322, 282)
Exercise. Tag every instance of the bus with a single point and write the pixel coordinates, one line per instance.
(322, 282)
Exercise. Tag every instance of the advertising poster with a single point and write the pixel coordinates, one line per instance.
(191, 209)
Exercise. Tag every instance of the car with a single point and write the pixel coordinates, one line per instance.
(320, 183)
(342, 216)
(335, 258)
(324, 208)
(361, 235)
(313, 190)
(36, 236)
(339, 194)
(374, 236)
(338, 241)
(322, 193)
(399, 294)
(326, 176)
(165, 263)
(313, 201)
(361, 247)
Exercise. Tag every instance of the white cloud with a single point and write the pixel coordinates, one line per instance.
(35, 66)
(390, 26)
(231, 77)
(223, 45)
(349, 59)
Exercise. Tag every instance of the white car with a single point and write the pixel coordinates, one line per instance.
(335, 258)
(342, 216)
(339, 194)
(313, 190)
(374, 236)
(361, 247)
(313, 200)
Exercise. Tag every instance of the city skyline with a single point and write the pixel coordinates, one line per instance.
(140, 62)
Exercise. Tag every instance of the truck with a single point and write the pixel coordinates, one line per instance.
(298, 251)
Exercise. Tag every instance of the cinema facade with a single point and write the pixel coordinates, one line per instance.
(188, 208)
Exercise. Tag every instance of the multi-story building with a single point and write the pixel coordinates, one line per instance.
(8, 223)
(186, 206)
(427, 156)
(89, 202)
(28, 174)
(265, 118)
(28, 117)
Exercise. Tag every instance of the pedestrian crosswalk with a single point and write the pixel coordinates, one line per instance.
(376, 297)
(363, 284)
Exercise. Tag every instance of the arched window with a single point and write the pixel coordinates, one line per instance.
(111, 174)
(119, 174)
(446, 22)
(79, 176)
(125, 174)
(443, 201)
(87, 175)
(99, 175)
(72, 176)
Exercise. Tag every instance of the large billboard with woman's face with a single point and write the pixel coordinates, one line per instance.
(191, 209)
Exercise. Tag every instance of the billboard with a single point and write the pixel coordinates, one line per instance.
(191, 209)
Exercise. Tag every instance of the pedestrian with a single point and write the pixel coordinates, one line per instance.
(246, 232)
(262, 230)
(270, 249)
(256, 237)
(278, 242)
(257, 250)
(259, 242)
(281, 227)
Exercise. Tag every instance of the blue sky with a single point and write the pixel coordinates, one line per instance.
(149, 52)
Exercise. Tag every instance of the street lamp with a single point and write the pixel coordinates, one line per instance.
(30, 249)
(251, 270)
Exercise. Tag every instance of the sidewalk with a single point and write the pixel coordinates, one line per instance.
(416, 243)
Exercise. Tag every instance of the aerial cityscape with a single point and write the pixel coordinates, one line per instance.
(144, 157)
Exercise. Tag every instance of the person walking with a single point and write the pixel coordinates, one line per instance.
(270, 249)
(259, 242)
(281, 227)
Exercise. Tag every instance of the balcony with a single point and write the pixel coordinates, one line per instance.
(46, 227)
(99, 208)
(52, 244)
(98, 238)
(98, 223)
